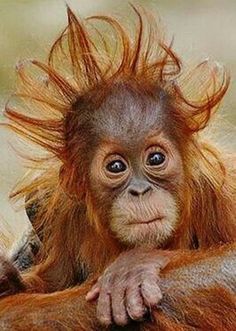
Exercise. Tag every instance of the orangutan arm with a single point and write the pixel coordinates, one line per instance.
(198, 290)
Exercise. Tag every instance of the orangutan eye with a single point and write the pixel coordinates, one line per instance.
(116, 166)
(155, 159)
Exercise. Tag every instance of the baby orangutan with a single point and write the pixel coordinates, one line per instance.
(129, 191)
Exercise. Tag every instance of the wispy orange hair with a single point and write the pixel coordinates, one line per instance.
(84, 59)
(84, 62)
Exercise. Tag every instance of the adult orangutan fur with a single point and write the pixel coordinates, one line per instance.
(89, 79)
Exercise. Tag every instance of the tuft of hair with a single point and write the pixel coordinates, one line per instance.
(84, 59)
(84, 62)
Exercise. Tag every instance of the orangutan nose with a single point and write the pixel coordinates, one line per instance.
(139, 189)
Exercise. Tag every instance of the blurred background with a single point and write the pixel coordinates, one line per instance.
(201, 29)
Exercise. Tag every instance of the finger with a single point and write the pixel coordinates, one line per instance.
(119, 313)
(104, 313)
(93, 294)
(134, 302)
(150, 291)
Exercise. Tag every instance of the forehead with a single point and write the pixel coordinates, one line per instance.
(129, 116)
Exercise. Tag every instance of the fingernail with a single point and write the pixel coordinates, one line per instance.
(89, 296)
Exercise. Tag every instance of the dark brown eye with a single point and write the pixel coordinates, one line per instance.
(116, 166)
(155, 159)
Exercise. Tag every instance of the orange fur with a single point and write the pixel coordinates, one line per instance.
(82, 68)
(203, 309)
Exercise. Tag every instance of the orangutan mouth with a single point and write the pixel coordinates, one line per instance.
(153, 220)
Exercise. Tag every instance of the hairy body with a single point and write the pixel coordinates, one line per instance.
(127, 180)
(186, 298)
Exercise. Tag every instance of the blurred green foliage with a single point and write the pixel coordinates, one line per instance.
(201, 28)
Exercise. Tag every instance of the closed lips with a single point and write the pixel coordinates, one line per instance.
(148, 221)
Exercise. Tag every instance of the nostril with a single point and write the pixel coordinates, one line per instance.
(134, 192)
(147, 189)
(139, 191)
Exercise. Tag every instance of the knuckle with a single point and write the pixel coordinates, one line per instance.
(150, 273)
(106, 274)
(153, 297)
(120, 319)
(104, 320)
(132, 300)
(120, 285)
(134, 278)
(103, 315)
(106, 279)
(153, 301)
(156, 291)
(106, 286)
(106, 292)
(139, 269)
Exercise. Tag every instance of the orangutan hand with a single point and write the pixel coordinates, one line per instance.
(128, 289)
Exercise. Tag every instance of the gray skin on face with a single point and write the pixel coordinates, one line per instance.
(128, 117)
